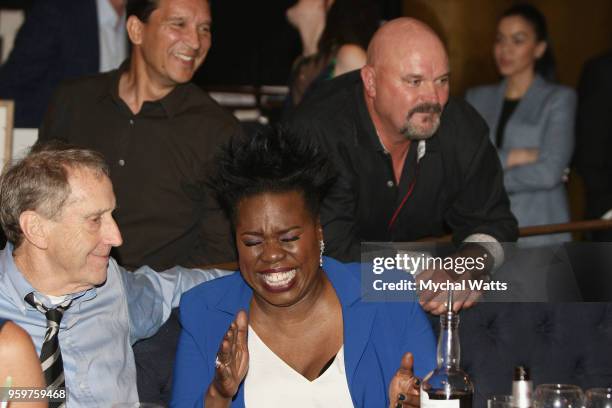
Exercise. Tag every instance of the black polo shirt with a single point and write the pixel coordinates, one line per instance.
(160, 159)
(457, 185)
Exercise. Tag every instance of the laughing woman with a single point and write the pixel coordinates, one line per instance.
(531, 120)
(290, 329)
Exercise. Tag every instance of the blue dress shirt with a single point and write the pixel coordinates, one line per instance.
(98, 330)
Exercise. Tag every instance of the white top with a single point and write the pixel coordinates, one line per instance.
(270, 382)
(112, 36)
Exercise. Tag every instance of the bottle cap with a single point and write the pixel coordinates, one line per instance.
(521, 373)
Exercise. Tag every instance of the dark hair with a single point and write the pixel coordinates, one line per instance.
(545, 65)
(39, 182)
(141, 8)
(272, 161)
(349, 22)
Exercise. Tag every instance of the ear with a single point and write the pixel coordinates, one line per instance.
(368, 77)
(135, 28)
(540, 49)
(34, 228)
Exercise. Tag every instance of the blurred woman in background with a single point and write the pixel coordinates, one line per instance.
(335, 35)
(531, 121)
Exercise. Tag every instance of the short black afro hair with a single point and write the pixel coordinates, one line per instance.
(273, 160)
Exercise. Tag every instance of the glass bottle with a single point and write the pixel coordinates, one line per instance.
(448, 386)
(522, 388)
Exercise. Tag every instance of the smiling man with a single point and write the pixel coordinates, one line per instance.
(412, 163)
(59, 283)
(159, 133)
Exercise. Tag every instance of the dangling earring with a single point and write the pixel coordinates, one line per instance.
(322, 247)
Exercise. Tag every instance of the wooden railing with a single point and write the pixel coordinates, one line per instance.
(576, 226)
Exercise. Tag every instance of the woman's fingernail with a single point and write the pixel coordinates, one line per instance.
(401, 397)
(417, 381)
(399, 405)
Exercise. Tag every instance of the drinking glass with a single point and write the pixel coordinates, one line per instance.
(558, 396)
(499, 401)
(599, 398)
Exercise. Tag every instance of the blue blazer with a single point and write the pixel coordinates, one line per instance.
(57, 41)
(543, 119)
(376, 335)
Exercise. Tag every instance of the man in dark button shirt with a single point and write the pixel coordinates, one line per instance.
(412, 163)
(159, 134)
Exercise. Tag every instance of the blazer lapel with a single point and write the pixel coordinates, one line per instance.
(358, 320)
(235, 298)
(529, 101)
(358, 316)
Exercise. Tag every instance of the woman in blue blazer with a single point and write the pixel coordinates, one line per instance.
(291, 329)
(531, 122)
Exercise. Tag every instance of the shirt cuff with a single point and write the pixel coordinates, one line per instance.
(491, 245)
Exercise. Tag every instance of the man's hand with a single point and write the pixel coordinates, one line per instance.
(232, 363)
(434, 301)
(472, 262)
(404, 389)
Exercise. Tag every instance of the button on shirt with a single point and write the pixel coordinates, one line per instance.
(98, 330)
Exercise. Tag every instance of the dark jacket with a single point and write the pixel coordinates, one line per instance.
(58, 40)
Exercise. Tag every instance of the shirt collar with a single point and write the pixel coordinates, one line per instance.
(14, 282)
(172, 104)
(18, 287)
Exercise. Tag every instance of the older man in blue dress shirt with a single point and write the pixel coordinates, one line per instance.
(56, 208)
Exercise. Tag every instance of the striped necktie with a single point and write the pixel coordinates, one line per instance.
(50, 353)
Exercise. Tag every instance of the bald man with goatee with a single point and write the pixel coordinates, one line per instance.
(412, 162)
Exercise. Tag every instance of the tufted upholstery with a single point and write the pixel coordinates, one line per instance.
(560, 343)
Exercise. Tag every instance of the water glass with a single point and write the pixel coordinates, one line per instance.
(558, 396)
(599, 398)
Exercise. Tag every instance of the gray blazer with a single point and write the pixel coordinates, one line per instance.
(544, 119)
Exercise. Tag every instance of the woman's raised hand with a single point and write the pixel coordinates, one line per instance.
(232, 362)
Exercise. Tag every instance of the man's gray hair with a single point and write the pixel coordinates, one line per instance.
(40, 182)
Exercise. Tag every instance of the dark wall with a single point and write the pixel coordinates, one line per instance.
(578, 30)
(15, 4)
(253, 44)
